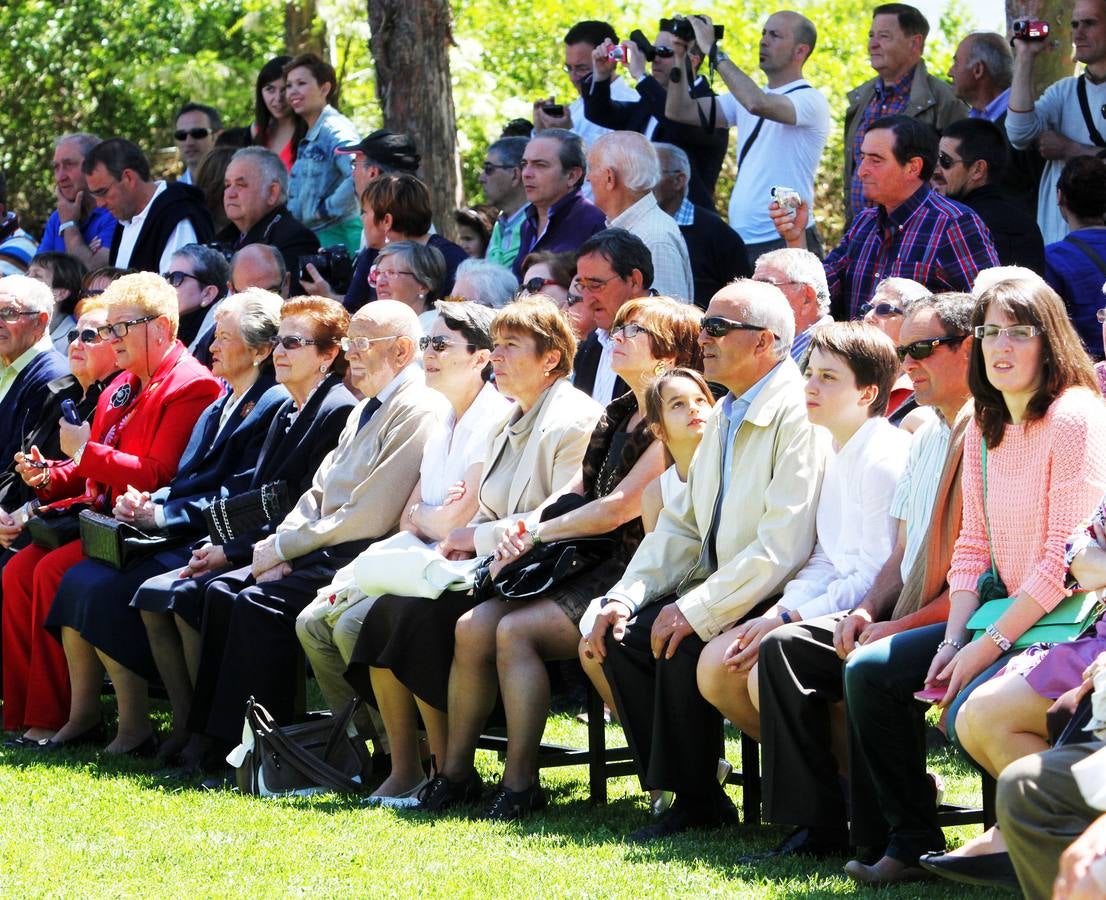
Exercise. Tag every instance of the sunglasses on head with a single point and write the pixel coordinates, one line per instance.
(880, 309)
(719, 326)
(197, 134)
(87, 335)
(924, 349)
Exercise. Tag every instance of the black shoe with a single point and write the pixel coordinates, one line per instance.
(816, 842)
(97, 734)
(441, 794)
(144, 750)
(508, 805)
(224, 782)
(23, 743)
(683, 816)
(985, 870)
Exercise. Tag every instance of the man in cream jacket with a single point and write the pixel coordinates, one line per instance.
(742, 529)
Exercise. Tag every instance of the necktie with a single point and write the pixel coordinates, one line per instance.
(367, 413)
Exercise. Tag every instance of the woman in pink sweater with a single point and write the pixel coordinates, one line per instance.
(1038, 409)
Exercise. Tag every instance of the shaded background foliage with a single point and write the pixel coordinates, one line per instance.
(122, 69)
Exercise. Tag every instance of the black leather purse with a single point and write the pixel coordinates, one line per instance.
(52, 528)
(234, 516)
(116, 543)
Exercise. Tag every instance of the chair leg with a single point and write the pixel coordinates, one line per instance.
(989, 786)
(597, 747)
(750, 780)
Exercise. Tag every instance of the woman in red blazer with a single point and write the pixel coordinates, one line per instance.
(140, 428)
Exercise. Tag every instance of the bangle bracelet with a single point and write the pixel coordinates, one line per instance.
(1011, 109)
(947, 643)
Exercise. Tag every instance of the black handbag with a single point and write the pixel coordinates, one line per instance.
(312, 757)
(116, 543)
(52, 528)
(231, 517)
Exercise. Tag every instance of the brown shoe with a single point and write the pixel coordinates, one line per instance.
(885, 871)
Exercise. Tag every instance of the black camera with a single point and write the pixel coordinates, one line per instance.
(681, 27)
(646, 46)
(224, 250)
(333, 264)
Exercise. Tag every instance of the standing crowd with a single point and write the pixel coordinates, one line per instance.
(734, 474)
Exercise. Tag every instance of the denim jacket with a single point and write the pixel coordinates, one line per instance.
(320, 188)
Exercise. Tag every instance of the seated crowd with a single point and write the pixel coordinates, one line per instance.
(810, 498)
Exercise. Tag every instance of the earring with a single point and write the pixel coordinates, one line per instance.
(256, 363)
(322, 369)
(660, 368)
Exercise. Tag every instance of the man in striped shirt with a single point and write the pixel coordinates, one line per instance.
(913, 232)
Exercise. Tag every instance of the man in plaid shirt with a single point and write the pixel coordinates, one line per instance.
(912, 232)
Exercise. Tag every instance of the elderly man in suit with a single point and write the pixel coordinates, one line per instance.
(357, 497)
(744, 526)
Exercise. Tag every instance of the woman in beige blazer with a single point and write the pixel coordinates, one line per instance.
(403, 656)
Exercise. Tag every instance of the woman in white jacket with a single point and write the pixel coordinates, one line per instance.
(850, 369)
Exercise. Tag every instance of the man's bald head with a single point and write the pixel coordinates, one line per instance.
(259, 265)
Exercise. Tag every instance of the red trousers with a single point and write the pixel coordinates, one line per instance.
(36, 678)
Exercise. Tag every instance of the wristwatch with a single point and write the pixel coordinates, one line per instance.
(535, 537)
(720, 55)
(785, 617)
(1001, 640)
(65, 226)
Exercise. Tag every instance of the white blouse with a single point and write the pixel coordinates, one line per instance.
(855, 530)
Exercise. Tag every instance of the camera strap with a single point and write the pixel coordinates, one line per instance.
(1085, 108)
(747, 146)
(1088, 251)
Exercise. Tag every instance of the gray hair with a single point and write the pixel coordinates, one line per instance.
(804, 267)
(766, 306)
(209, 266)
(953, 309)
(992, 50)
(84, 140)
(486, 283)
(426, 263)
(258, 313)
(676, 156)
(900, 290)
(30, 292)
(473, 320)
(631, 155)
(988, 278)
(269, 167)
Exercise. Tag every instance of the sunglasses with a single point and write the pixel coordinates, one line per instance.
(534, 285)
(924, 349)
(121, 329)
(290, 341)
(1014, 332)
(176, 279)
(572, 299)
(86, 335)
(719, 326)
(883, 310)
(439, 344)
(947, 162)
(197, 134)
(664, 52)
(629, 330)
(491, 167)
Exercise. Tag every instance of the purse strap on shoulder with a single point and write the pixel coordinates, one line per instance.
(986, 518)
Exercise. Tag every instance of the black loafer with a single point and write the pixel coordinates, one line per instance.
(985, 870)
(682, 817)
(816, 842)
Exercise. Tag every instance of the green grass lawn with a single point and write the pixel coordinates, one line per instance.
(85, 825)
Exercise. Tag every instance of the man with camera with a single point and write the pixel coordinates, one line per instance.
(1069, 119)
(705, 148)
(782, 129)
(254, 199)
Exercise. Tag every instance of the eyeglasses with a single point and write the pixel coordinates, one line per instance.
(719, 326)
(776, 283)
(290, 341)
(883, 310)
(572, 299)
(580, 70)
(534, 285)
(629, 330)
(176, 279)
(87, 335)
(121, 329)
(1101, 316)
(11, 315)
(947, 162)
(491, 167)
(362, 344)
(100, 193)
(91, 292)
(376, 273)
(439, 343)
(594, 284)
(197, 134)
(272, 289)
(924, 349)
(664, 52)
(1014, 332)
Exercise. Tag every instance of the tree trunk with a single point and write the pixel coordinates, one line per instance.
(410, 46)
(304, 31)
(1055, 63)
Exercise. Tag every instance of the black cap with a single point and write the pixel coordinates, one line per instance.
(397, 151)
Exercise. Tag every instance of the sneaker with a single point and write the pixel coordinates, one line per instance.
(509, 806)
(406, 800)
(723, 771)
(439, 794)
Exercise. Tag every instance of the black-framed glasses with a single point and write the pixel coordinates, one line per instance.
(883, 310)
(11, 314)
(120, 329)
(197, 134)
(176, 278)
(362, 344)
(719, 326)
(572, 299)
(87, 335)
(290, 341)
(534, 285)
(629, 330)
(947, 162)
(924, 349)
(490, 167)
(439, 343)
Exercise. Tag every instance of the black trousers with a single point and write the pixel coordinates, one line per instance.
(249, 645)
(674, 734)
